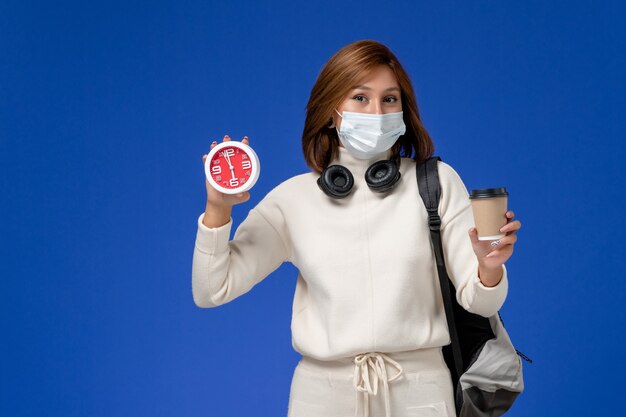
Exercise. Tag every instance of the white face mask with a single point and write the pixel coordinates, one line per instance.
(366, 135)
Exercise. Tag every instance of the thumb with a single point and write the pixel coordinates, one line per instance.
(473, 234)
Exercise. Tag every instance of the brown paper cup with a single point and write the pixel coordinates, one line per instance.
(489, 206)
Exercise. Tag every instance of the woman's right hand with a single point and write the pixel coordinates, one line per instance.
(219, 205)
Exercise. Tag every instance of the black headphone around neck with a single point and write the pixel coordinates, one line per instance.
(336, 181)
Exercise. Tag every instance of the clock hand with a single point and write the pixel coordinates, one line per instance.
(230, 166)
(228, 160)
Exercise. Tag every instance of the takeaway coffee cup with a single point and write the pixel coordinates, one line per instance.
(489, 206)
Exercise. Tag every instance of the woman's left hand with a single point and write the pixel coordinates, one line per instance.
(492, 254)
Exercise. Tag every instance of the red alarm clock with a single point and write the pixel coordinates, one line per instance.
(232, 167)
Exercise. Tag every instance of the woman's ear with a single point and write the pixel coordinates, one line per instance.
(331, 123)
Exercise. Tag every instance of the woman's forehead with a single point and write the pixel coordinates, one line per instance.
(379, 77)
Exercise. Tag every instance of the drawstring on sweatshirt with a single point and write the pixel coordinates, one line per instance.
(374, 361)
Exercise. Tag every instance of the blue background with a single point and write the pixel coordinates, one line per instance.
(107, 107)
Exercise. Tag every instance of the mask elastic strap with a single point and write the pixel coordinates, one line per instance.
(337, 130)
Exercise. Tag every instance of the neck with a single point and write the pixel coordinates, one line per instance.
(355, 165)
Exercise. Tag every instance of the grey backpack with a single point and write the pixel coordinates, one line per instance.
(486, 369)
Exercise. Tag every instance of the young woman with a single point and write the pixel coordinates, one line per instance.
(368, 316)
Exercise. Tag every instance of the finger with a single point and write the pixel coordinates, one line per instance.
(503, 253)
(473, 234)
(493, 254)
(241, 197)
(245, 140)
(226, 138)
(510, 214)
(511, 227)
(500, 250)
(204, 158)
(213, 144)
(507, 240)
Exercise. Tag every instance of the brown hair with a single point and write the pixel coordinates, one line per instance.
(342, 73)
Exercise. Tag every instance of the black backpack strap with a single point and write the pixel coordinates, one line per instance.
(428, 184)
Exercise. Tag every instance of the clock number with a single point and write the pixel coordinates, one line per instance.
(234, 182)
(229, 152)
(216, 170)
(246, 164)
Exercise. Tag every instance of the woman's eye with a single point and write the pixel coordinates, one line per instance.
(391, 99)
(359, 98)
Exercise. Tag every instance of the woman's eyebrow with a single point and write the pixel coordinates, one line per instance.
(364, 87)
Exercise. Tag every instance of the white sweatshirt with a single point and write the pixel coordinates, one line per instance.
(367, 277)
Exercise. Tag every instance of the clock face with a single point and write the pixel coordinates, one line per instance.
(232, 167)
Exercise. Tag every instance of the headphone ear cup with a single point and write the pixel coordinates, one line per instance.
(382, 176)
(336, 181)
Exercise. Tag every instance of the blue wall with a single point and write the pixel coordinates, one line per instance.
(106, 109)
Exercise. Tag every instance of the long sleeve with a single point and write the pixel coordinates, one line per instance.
(366, 272)
(457, 218)
(223, 270)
